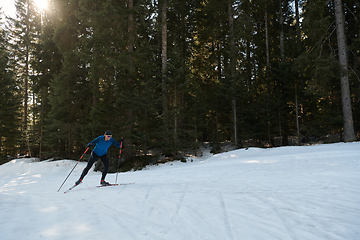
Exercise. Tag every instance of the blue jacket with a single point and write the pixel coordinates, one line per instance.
(102, 146)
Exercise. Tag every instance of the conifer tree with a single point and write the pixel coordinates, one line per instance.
(201, 70)
(349, 134)
(23, 34)
(46, 63)
(320, 69)
(10, 102)
(69, 99)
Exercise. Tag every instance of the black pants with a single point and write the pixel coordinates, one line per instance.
(104, 159)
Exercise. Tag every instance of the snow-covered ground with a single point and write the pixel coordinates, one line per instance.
(298, 193)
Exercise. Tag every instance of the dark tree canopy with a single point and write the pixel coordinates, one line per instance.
(167, 75)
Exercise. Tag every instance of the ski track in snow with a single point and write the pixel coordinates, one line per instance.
(290, 193)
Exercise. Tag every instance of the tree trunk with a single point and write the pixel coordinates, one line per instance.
(298, 37)
(267, 72)
(297, 16)
(164, 66)
(349, 134)
(232, 68)
(267, 51)
(282, 54)
(128, 141)
(282, 46)
(27, 53)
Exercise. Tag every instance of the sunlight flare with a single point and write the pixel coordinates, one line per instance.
(41, 4)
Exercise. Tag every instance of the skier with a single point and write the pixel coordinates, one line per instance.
(102, 143)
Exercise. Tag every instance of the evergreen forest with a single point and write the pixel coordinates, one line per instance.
(169, 75)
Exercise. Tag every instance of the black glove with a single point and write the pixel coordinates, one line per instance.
(89, 145)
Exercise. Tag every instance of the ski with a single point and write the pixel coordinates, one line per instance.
(126, 183)
(116, 184)
(108, 185)
(71, 188)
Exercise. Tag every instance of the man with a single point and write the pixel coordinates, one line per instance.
(102, 143)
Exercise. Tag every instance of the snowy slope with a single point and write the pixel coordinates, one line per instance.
(298, 193)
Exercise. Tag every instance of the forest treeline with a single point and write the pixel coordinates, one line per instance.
(167, 75)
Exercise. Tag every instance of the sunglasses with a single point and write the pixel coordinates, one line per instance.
(108, 135)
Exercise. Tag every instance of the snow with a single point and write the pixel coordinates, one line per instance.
(307, 192)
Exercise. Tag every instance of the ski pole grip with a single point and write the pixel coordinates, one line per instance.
(121, 145)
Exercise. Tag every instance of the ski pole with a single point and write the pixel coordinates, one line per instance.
(73, 169)
(117, 170)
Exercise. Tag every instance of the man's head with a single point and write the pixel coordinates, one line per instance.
(108, 134)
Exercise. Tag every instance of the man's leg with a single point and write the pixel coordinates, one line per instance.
(91, 161)
(106, 163)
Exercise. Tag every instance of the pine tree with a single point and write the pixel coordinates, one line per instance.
(164, 68)
(69, 96)
(22, 32)
(320, 70)
(46, 63)
(349, 134)
(10, 99)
